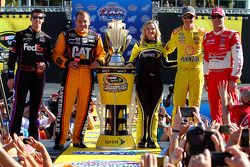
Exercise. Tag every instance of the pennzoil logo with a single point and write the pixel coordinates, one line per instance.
(112, 11)
(114, 83)
(6, 39)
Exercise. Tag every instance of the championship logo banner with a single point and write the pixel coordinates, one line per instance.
(133, 13)
(9, 25)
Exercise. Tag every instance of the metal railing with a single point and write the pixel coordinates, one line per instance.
(156, 10)
(203, 3)
(30, 8)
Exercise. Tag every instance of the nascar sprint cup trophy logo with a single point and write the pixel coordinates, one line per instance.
(117, 40)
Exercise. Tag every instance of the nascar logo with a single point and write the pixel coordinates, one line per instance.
(6, 38)
(112, 11)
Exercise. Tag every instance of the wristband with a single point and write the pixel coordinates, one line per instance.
(174, 130)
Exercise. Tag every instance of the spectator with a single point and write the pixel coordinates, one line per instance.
(52, 106)
(46, 117)
(30, 153)
(236, 112)
(163, 125)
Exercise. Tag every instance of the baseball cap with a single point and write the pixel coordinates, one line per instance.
(245, 94)
(219, 11)
(188, 9)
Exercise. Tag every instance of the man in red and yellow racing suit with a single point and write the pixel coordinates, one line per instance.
(77, 51)
(189, 77)
(223, 60)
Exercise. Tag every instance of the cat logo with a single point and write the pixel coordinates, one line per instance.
(6, 39)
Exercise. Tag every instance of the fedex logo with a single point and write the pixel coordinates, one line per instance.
(34, 48)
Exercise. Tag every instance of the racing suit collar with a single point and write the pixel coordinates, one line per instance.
(193, 27)
(81, 33)
(150, 41)
(32, 30)
(219, 32)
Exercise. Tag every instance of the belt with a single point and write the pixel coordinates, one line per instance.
(27, 68)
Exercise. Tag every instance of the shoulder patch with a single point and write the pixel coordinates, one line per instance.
(177, 30)
(93, 33)
(138, 43)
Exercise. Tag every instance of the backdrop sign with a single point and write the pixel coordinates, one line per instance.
(9, 25)
(133, 13)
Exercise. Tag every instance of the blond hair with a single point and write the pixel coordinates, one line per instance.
(143, 34)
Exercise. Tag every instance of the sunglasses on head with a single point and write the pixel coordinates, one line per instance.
(188, 17)
(216, 17)
(38, 17)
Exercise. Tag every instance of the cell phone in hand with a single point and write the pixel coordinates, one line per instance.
(25, 141)
(218, 158)
(244, 140)
(187, 111)
(224, 129)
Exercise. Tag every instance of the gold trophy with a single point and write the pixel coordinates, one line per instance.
(116, 84)
(117, 40)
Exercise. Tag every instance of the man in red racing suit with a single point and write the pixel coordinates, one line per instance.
(223, 60)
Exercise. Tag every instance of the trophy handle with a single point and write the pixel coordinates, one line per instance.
(109, 43)
(127, 39)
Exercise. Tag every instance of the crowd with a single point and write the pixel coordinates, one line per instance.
(210, 59)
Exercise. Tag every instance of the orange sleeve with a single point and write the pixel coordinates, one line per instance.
(99, 52)
(59, 52)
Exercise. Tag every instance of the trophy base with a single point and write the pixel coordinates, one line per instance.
(107, 142)
(116, 60)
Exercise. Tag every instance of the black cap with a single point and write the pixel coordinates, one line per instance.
(188, 9)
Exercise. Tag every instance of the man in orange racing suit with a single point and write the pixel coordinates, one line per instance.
(189, 77)
(77, 51)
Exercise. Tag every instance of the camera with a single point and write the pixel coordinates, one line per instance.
(217, 158)
(171, 89)
(187, 111)
(199, 139)
(25, 141)
(244, 140)
(162, 160)
(224, 129)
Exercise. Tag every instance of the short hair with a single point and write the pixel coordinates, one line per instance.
(82, 12)
(37, 11)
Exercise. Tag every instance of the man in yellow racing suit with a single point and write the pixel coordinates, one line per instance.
(77, 51)
(189, 77)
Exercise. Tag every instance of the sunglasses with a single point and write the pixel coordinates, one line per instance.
(37, 17)
(188, 17)
(216, 17)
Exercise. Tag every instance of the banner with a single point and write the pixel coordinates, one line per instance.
(234, 23)
(9, 25)
(133, 13)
